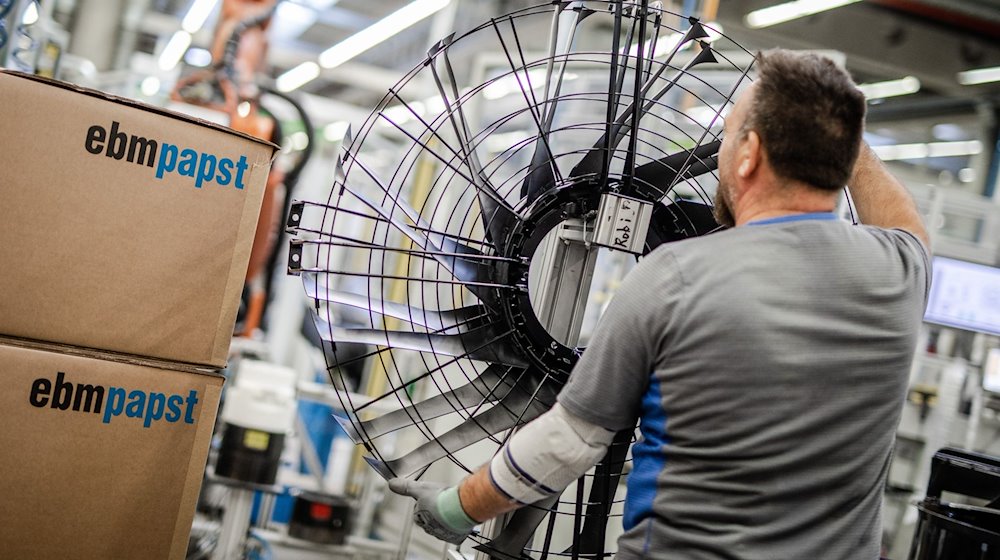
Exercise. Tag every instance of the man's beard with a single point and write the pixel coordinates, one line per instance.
(721, 210)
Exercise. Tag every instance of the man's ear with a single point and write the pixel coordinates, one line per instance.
(750, 155)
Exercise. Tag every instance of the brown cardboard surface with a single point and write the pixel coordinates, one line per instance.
(98, 252)
(76, 487)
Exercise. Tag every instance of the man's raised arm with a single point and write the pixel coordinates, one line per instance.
(881, 199)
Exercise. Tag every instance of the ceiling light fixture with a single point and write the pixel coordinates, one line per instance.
(929, 150)
(292, 19)
(150, 86)
(979, 76)
(380, 31)
(788, 11)
(665, 44)
(890, 88)
(335, 131)
(515, 83)
(198, 57)
(297, 77)
(197, 14)
(174, 50)
(30, 16)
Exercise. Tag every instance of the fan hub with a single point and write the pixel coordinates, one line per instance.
(530, 335)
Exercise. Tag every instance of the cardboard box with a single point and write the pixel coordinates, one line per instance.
(124, 227)
(99, 459)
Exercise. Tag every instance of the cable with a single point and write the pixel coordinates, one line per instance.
(292, 177)
(233, 43)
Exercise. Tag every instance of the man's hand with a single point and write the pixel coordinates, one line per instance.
(439, 511)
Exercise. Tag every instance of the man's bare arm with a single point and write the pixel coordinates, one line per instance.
(481, 499)
(881, 199)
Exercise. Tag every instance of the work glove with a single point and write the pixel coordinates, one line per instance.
(439, 511)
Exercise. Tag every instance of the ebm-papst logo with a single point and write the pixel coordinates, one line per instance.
(203, 167)
(112, 402)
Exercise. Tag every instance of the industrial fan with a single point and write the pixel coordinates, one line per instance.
(465, 222)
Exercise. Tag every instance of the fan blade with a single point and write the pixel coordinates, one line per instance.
(698, 216)
(497, 215)
(397, 201)
(515, 536)
(590, 541)
(434, 320)
(543, 170)
(590, 163)
(488, 387)
(653, 178)
(517, 407)
(465, 270)
(478, 344)
(680, 220)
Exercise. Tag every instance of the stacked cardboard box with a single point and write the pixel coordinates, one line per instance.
(125, 236)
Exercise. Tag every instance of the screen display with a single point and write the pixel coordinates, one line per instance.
(964, 295)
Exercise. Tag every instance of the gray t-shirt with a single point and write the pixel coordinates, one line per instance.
(768, 366)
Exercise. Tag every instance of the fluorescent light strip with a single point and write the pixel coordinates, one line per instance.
(891, 88)
(932, 149)
(979, 76)
(379, 31)
(197, 15)
(666, 43)
(30, 16)
(335, 131)
(297, 77)
(197, 57)
(174, 50)
(788, 11)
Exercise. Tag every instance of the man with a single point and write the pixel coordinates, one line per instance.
(768, 376)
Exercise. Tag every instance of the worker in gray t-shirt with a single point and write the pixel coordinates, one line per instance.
(766, 364)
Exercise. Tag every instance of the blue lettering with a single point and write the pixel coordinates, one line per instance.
(206, 169)
(137, 402)
(168, 160)
(241, 166)
(189, 159)
(116, 400)
(192, 400)
(174, 404)
(154, 410)
(116, 143)
(225, 171)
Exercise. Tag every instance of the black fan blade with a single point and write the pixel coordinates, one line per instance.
(696, 218)
(543, 171)
(497, 215)
(591, 162)
(520, 528)
(478, 344)
(434, 320)
(489, 386)
(517, 407)
(652, 179)
(680, 220)
(590, 542)
(465, 270)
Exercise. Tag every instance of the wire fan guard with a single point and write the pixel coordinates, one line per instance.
(421, 254)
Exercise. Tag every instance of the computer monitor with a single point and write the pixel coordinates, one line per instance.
(964, 295)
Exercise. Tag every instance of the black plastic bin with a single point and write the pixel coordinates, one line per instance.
(951, 531)
(955, 532)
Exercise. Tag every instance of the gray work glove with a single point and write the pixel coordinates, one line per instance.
(439, 511)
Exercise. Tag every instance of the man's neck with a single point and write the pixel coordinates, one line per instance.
(786, 202)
